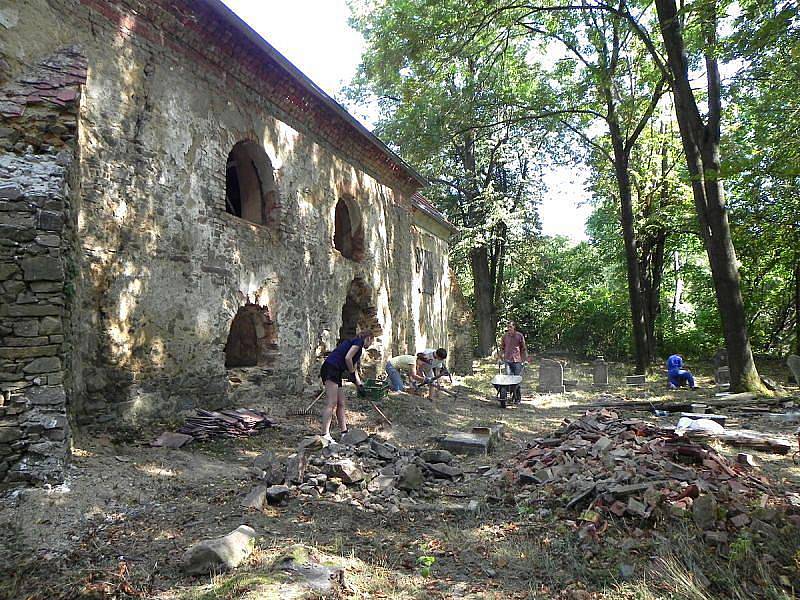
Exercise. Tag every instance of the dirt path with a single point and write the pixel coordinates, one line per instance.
(127, 512)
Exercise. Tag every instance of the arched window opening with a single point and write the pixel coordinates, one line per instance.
(249, 184)
(358, 311)
(251, 340)
(348, 236)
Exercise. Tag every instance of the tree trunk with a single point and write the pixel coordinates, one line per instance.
(797, 306)
(701, 148)
(484, 307)
(631, 257)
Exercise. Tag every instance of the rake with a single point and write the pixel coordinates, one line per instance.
(305, 412)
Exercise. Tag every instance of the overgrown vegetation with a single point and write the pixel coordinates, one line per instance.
(482, 96)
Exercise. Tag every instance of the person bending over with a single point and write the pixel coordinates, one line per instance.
(343, 361)
(435, 365)
(413, 365)
(677, 375)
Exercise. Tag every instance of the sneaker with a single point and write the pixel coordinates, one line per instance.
(327, 438)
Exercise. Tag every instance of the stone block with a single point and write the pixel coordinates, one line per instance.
(219, 554)
(465, 443)
(344, 469)
(9, 434)
(8, 270)
(10, 191)
(21, 352)
(43, 268)
(45, 396)
(437, 456)
(635, 379)
(26, 328)
(47, 364)
(50, 326)
(255, 498)
(51, 221)
(410, 478)
(277, 494)
(30, 310)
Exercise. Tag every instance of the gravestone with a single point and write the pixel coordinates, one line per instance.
(599, 372)
(635, 379)
(551, 377)
(793, 363)
(720, 358)
(722, 376)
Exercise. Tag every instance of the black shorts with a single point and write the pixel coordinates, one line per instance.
(329, 372)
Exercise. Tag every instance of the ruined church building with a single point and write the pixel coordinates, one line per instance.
(177, 200)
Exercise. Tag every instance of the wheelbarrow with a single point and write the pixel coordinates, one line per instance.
(508, 389)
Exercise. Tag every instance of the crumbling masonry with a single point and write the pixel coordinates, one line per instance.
(177, 200)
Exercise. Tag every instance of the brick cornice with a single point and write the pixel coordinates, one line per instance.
(209, 34)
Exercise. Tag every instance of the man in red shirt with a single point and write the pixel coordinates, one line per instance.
(513, 349)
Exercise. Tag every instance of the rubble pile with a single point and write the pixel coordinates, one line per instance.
(605, 466)
(365, 472)
(241, 422)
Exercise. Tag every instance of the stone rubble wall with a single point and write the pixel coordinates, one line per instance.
(38, 108)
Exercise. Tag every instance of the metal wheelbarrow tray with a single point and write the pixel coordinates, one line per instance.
(508, 386)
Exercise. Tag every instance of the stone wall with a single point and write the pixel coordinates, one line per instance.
(37, 141)
(160, 269)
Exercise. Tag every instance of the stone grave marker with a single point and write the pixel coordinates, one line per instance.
(722, 376)
(720, 358)
(793, 362)
(599, 372)
(551, 377)
(635, 379)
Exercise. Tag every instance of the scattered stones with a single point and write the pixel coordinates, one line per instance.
(219, 554)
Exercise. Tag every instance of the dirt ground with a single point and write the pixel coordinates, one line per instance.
(126, 514)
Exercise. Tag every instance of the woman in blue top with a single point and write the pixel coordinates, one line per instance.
(343, 360)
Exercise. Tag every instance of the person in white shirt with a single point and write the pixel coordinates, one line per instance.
(434, 366)
(413, 365)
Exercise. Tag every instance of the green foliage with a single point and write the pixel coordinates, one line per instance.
(425, 564)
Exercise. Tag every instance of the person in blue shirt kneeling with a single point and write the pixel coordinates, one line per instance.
(677, 375)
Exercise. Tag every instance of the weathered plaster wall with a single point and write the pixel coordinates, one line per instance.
(161, 268)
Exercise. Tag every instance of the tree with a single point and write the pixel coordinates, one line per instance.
(458, 118)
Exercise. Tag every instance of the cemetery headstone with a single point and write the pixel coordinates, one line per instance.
(720, 358)
(793, 363)
(551, 377)
(635, 379)
(722, 376)
(600, 372)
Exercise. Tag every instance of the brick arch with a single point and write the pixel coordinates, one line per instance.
(348, 235)
(250, 191)
(251, 340)
(359, 311)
